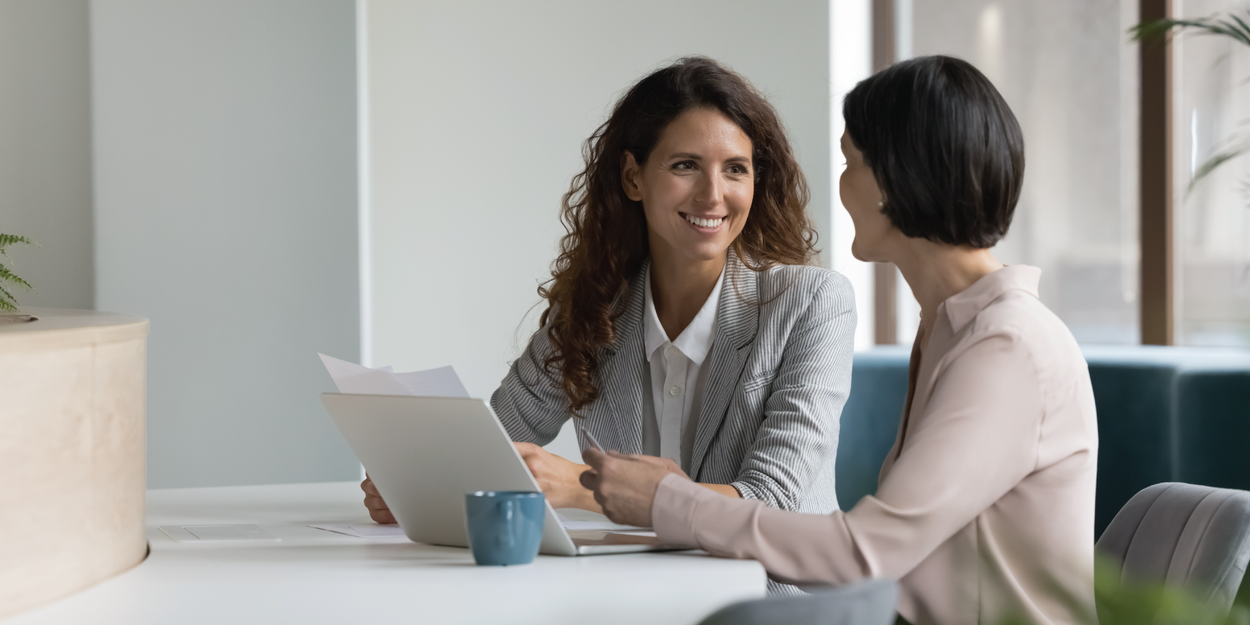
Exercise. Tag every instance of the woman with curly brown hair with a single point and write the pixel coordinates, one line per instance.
(684, 321)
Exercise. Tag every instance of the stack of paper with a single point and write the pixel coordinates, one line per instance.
(351, 378)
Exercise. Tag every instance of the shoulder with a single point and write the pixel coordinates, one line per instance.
(803, 280)
(802, 285)
(1023, 317)
(1035, 334)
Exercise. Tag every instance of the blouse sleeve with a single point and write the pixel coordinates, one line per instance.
(976, 440)
(799, 432)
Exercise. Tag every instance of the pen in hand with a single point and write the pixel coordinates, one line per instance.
(590, 437)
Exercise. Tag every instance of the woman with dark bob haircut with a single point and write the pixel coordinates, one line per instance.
(683, 319)
(985, 505)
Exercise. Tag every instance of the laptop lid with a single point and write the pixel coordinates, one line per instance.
(425, 453)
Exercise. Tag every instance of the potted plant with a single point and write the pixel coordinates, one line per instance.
(8, 303)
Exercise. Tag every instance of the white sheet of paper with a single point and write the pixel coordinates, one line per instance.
(355, 379)
(218, 533)
(363, 531)
(440, 382)
(376, 531)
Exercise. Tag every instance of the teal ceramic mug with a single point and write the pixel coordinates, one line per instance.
(504, 527)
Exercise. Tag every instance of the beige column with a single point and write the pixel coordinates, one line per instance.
(72, 453)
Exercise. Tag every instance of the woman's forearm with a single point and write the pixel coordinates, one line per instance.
(805, 548)
(724, 489)
(585, 500)
(586, 497)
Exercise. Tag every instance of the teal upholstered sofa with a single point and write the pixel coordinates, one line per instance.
(1165, 414)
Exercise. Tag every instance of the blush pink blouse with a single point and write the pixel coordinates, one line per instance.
(985, 504)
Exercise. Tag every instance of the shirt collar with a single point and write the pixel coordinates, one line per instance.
(963, 306)
(696, 340)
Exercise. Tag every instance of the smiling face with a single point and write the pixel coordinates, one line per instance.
(862, 198)
(696, 187)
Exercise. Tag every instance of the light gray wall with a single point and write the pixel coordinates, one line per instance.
(478, 111)
(45, 148)
(225, 211)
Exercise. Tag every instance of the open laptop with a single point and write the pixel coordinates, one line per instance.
(425, 453)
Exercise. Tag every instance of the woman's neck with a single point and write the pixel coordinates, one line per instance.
(936, 271)
(680, 287)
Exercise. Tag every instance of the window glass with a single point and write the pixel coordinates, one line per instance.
(1212, 226)
(1069, 74)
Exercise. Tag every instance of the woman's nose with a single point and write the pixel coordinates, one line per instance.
(711, 191)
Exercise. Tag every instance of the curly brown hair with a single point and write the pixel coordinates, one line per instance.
(606, 241)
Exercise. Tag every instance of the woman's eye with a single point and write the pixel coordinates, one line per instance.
(739, 169)
(684, 165)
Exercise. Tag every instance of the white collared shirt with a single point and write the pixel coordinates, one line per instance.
(676, 383)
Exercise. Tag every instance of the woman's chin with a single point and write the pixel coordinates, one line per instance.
(857, 254)
(866, 255)
(706, 253)
(702, 251)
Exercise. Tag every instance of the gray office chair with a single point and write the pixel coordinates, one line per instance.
(870, 602)
(1182, 535)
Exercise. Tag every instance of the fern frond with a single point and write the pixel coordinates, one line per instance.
(10, 239)
(7, 302)
(5, 274)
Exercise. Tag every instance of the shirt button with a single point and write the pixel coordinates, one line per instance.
(675, 391)
(672, 351)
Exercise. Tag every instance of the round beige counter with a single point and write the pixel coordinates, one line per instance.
(72, 453)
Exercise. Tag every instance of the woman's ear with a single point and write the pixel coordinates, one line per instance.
(631, 177)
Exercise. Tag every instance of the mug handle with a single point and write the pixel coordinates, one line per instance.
(507, 509)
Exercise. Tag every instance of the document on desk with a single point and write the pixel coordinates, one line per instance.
(375, 530)
(364, 530)
(354, 379)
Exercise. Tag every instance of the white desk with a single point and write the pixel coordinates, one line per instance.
(314, 576)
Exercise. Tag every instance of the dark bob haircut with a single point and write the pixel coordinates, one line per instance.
(944, 147)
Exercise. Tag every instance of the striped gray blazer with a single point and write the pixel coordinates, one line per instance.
(780, 373)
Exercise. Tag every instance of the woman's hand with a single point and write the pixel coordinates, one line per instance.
(624, 485)
(378, 511)
(557, 477)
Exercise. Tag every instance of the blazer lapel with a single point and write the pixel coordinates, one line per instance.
(622, 372)
(737, 320)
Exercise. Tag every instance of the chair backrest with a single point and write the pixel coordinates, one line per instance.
(870, 420)
(1183, 535)
(870, 602)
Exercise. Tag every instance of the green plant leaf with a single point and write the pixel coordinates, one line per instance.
(1244, 29)
(5, 274)
(6, 300)
(1213, 163)
(11, 239)
(1230, 26)
(8, 303)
